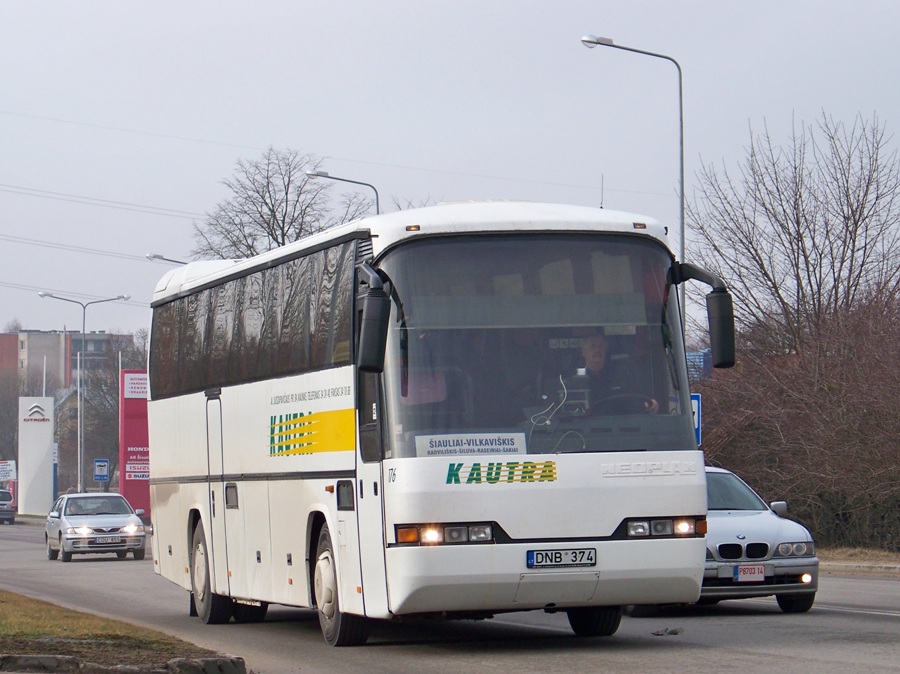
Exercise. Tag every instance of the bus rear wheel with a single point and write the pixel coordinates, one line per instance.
(213, 609)
(339, 629)
(600, 621)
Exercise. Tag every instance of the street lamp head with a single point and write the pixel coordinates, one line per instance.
(157, 256)
(325, 174)
(591, 41)
(124, 298)
(41, 293)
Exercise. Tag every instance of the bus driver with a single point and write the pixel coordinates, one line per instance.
(604, 382)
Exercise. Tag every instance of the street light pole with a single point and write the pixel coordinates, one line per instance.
(591, 41)
(157, 256)
(325, 174)
(81, 369)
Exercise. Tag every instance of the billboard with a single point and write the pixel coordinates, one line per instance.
(35, 465)
(134, 450)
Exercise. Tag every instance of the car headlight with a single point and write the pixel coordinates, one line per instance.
(132, 528)
(80, 531)
(801, 549)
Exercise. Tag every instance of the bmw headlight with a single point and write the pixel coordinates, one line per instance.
(800, 549)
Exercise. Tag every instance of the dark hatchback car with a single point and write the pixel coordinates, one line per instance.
(7, 507)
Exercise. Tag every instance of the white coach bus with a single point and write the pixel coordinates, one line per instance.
(392, 419)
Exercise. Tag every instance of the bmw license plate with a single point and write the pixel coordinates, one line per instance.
(108, 539)
(548, 559)
(749, 573)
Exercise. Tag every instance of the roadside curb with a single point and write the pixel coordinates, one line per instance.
(850, 567)
(20, 664)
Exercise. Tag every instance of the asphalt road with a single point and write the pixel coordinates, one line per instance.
(854, 627)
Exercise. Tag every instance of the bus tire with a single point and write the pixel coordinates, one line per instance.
(599, 621)
(339, 629)
(213, 609)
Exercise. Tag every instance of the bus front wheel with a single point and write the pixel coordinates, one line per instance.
(213, 609)
(600, 621)
(339, 629)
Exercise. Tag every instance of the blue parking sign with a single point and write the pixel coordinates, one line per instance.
(696, 412)
(101, 470)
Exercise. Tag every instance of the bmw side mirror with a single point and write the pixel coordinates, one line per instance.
(779, 508)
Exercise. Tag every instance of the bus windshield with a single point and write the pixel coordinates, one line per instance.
(534, 344)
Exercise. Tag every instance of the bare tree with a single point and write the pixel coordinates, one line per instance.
(9, 414)
(808, 238)
(273, 202)
(806, 232)
(405, 205)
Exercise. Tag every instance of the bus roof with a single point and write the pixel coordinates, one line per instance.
(446, 218)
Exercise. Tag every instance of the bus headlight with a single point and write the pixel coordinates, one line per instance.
(686, 526)
(666, 527)
(638, 528)
(662, 527)
(431, 535)
(444, 534)
(481, 533)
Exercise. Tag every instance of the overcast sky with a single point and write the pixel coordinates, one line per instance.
(119, 120)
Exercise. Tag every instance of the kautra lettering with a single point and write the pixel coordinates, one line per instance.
(495, 472)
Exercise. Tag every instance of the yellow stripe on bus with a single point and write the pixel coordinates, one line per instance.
(332, 431)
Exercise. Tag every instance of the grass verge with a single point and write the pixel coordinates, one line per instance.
(859, 555)
(32, 627)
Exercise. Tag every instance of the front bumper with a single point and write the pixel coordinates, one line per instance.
(93, 543)
(494, 578)
(781, 577)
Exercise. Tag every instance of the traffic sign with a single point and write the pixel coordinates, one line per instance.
(696, 412)
(101, 470)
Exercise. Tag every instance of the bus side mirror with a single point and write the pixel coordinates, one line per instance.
(720, 313)
(375, 311)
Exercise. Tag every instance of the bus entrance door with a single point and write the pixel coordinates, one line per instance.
(371, 538)
(215, 527)
(370, 500)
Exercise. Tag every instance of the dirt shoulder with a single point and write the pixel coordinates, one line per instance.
(38, 636)
(859, 561)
